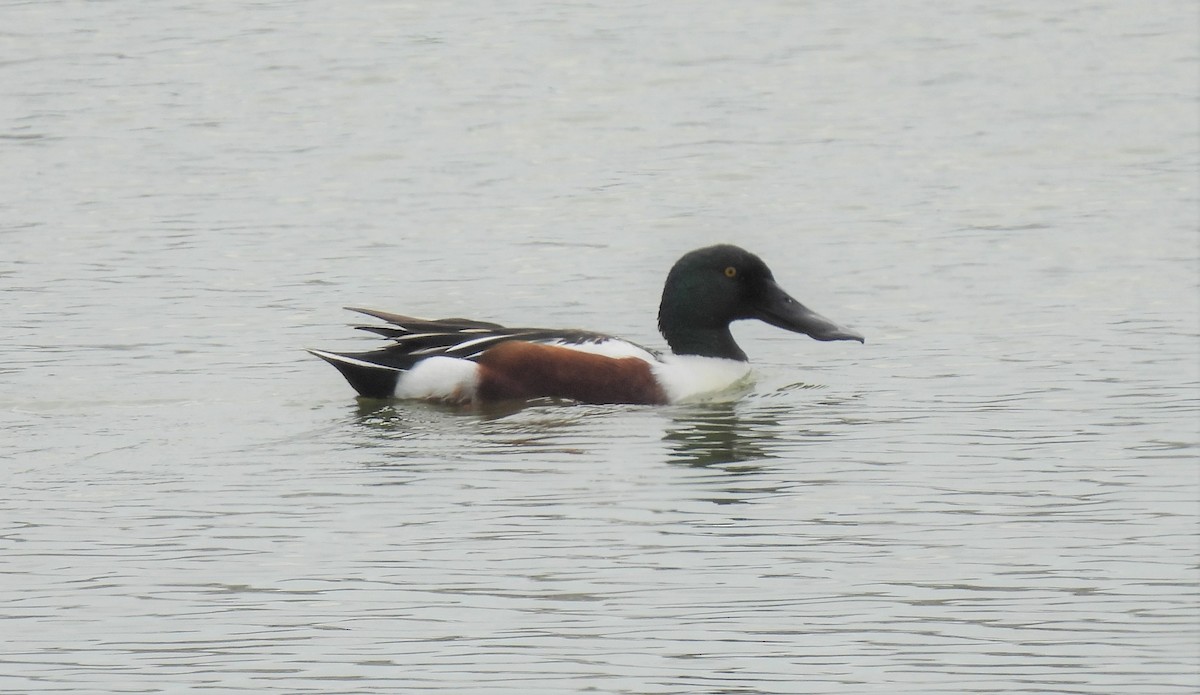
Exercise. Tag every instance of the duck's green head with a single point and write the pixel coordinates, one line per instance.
(709, 288)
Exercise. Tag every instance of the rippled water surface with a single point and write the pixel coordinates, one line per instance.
(997, 493)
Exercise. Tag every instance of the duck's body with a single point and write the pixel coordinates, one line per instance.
(457, 360)
(465, 361)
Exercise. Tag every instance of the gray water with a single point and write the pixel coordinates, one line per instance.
(997, 493)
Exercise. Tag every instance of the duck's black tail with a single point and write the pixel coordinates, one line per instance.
(370, 378)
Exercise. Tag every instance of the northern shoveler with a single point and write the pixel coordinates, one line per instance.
(465, 361)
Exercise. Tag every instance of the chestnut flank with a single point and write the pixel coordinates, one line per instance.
(519, 370)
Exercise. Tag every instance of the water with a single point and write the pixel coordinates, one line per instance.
(997, 493)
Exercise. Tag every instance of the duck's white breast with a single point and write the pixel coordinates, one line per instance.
(693, 378)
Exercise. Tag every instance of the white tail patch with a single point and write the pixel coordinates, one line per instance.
(441, 379)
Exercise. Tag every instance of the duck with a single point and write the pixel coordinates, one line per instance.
(465, 361)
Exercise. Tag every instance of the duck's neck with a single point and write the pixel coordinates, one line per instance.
(703, 342)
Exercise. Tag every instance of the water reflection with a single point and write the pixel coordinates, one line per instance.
(715, 434)
(374, 412)
(383, 418)
(432, 433)
(736, 436)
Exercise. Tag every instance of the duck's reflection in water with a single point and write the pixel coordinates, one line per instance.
(736, 437)
(716, 434)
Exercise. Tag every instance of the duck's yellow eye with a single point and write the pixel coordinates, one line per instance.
(731, 272)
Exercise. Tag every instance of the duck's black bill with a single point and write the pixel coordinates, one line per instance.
(779, 309)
